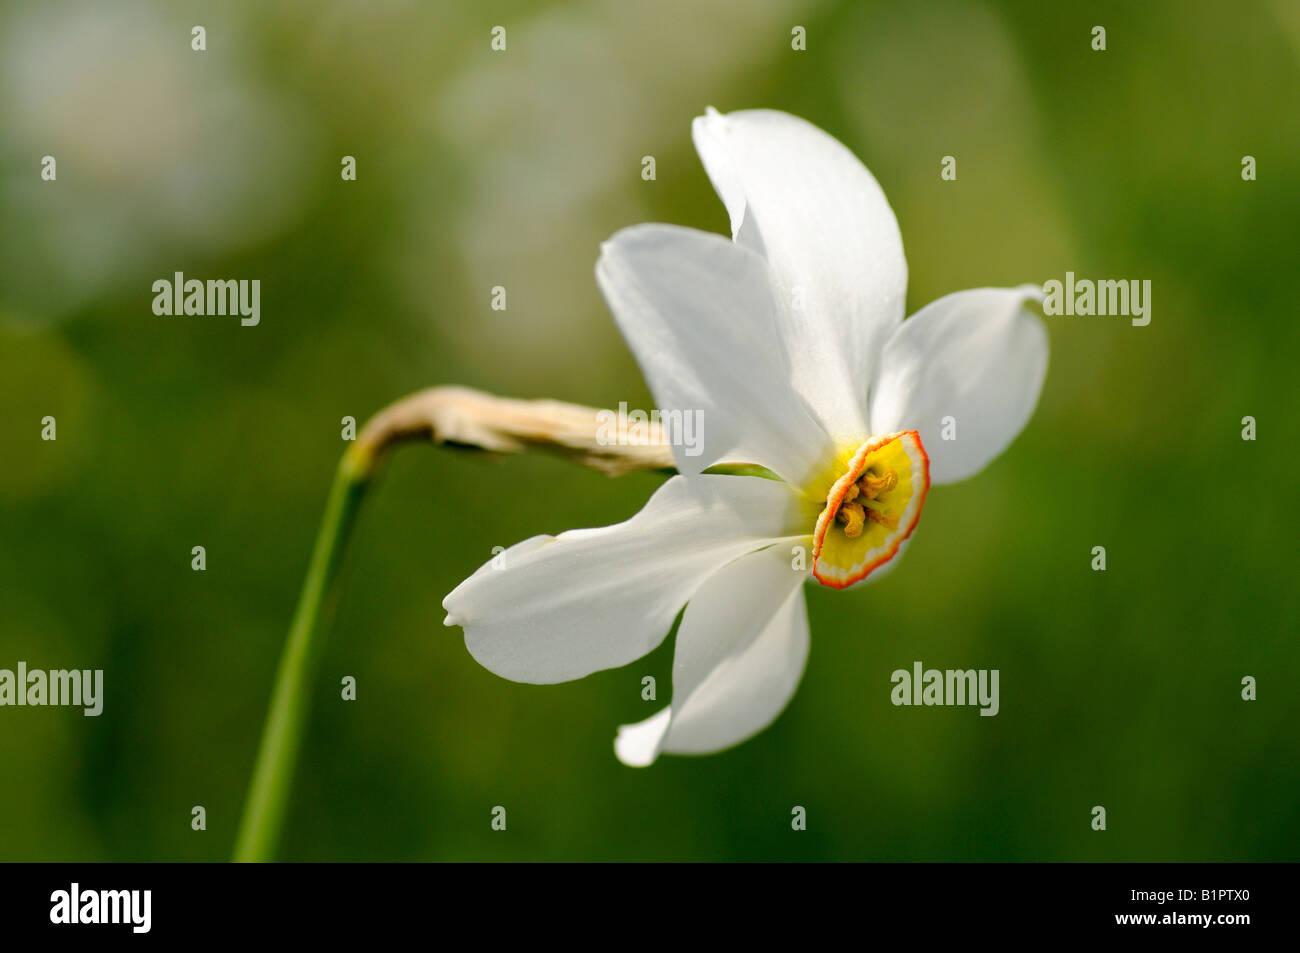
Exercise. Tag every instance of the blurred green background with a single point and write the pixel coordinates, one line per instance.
(477, 169)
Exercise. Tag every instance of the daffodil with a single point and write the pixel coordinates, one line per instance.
(790, 339)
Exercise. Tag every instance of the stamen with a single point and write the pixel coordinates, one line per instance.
(871, 508)
(889, 522)
(860, 503)
(854, 517)
(873, 486)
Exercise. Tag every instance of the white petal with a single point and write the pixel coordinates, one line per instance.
(741, 650)
(697, 311)
(638, 745)
(806, 203)
(565, 606)
(977, 356)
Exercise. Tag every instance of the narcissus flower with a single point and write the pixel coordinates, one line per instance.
(790, 340)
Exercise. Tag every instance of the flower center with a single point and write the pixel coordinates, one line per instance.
(871, 508)
(864, 500)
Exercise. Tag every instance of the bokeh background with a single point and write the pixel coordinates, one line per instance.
(478, 168)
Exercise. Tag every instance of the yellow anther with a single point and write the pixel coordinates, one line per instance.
(854, 517)
(860, 503)
(889, 522)
(872, 486)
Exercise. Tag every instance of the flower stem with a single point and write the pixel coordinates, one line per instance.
(268, 793)
(455, 416)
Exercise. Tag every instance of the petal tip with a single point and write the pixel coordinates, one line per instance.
(638, 745)
(631, 755)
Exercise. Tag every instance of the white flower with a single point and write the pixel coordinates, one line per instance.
(778, 337)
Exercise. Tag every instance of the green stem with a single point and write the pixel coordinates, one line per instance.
(455, 416)
(268, 793)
